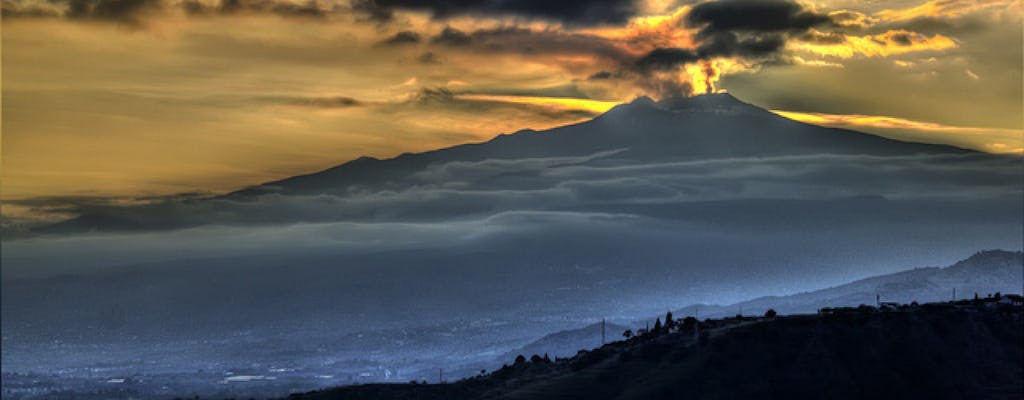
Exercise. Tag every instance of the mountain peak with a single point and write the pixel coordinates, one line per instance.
(719, 103)
(701, 102)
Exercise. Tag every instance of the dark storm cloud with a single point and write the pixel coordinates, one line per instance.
(724, 44)
(751, 29)
(517, 40)
(131, 11)
(665, 58)
(308, 9)
(126, 11)
(727, 44)
(752, 16)
(402, 38)
(571, 12)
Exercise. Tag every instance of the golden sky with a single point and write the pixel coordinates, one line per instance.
(134, 98)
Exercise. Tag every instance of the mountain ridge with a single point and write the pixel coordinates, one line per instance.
(642, 132)
(701, 106)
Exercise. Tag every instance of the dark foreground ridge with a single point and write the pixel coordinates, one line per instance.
(954, 350)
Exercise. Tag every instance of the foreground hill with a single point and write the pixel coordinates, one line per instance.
(968, 349)
(984, 273)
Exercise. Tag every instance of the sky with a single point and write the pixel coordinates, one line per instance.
(122, 100)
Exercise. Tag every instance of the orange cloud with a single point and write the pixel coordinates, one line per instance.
(991, 139)
(893, 42)
(945, 9)
(561, 103)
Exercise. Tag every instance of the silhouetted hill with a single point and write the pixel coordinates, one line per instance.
(969, 349)
(568, 342)
(985, 272)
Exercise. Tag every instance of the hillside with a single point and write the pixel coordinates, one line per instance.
(968, 349)
(983, 273)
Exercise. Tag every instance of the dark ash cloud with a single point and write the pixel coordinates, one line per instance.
(665, 58)
(752, 29)
(570, 12)
(753, 16)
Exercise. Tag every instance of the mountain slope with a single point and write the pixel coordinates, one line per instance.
(936, 351)
(985, 273)
(641, 133)
(702, 127)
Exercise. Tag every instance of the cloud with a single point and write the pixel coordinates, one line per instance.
(666, 58)
(942, 9)
(889, 43)
(328, 102)
(29, 9)
(752, 16)
(602, 181)
(401, 38)
(751, 31)
(428, 58)
(126, 11)
(135, 12)
(452, 37)
(887, 125)
(571, 12)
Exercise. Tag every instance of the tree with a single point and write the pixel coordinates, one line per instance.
(627, 334)
(520, 360)
(657, 326)
(770, 313)
(669, 322)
